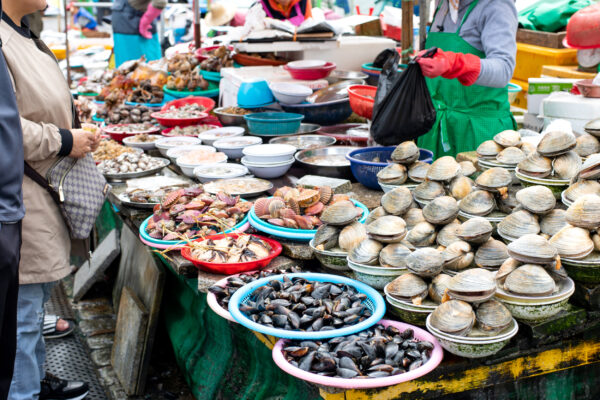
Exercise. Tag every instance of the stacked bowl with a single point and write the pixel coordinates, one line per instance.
(268, 160)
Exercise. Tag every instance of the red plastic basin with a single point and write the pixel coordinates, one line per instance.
(205, 102)
(362, 99)
(583, 29)
(233, 268)
(311, 74)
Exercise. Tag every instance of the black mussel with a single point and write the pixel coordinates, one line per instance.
(346, 373)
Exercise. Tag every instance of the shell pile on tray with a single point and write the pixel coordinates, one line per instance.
(192, 130)
(184, 74)
(125, 114)
(191, 212)
(554, 158)
(406, 169)
(303, 208)
(130, 162)
(183, 112)
(110, 149)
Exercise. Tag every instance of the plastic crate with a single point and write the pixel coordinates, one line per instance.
(531, 59)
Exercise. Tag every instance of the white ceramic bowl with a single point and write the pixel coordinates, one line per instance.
(212, 135)
(166, 143)
(128, 141)
(268, 171)
(175, 152)
(304, 64)
(269, 153)
(207, 173)
(290, 93)
(188, 169)
(233, 146)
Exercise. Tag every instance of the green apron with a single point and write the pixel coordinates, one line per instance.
(466, 115)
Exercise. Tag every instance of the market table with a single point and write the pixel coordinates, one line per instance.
(557, 359)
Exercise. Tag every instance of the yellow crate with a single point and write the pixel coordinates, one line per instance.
(565, 71)
(531, 59)
(521, 100)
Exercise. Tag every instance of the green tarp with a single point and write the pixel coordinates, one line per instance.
(550, 15)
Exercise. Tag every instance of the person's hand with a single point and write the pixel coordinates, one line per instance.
(97, 135)
(146, 21)
(434, 66)
(450, 65)
(83, 142)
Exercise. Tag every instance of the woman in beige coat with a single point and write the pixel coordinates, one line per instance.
(46, 110)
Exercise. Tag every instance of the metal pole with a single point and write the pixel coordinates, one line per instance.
(197, 33)
(66, 18)
(423, 21)
(407, 30)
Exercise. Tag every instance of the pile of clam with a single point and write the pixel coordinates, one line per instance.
(585, 182)
(535, 213)
(505, 150)
(407, 170)
(444, 177)
(553, 159)
(532, 283)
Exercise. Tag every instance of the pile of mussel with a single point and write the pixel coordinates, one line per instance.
(303, 305)
(374, 353)
(224, 293)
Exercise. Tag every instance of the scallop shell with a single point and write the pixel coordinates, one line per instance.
(585, 212)
(455, 317)
(587, 145)
(530, 280)
(351, 235)
(418, 171)
(508, 138)
(536, 166)
(536, 199)
(441, 210)
(475, 230)
(489, 149)
(425, 262)
(511, 156)
(429, 190)
(532, 249)
(478, 202)
(556, 143)
(261, 206)
(553, 222)
(461, 186)
(397, 201)
(491, 254)
(308, 197)
(519, 223)
(567, 165)
(405, 153)
(572, 242)
(325, 194)
(443, 169)
(394, 255)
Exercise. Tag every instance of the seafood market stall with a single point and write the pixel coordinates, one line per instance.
(302, 263)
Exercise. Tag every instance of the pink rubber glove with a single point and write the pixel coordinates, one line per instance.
(146, 21)
(450, 65)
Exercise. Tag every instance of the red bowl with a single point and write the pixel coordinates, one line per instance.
(119, 136)
(167, 132)
(362, 99)
(311, 74)
(233, 268)
(205, 102)
(177, 121)
(583, 29)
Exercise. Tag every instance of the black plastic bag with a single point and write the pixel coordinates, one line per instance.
(403, 107)
(383, 57)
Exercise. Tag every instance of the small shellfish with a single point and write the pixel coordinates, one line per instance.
(510, 156)
(405, 153)
(536, 166)
(438, 287)
(508, 138)
(532, 249)
(408, 287)
(556, 143)
(478, 202)
(418, 171)
(429, 190)
(443, 169)
(441, 210)
(567, 165)
(397, 201)
(394, 256)
(517, 224)
(491, 254)
(412, 217)
(352, 235)
(460, 187)
(467, 168)
(422, 235)
(530, 280)
(393, 174)
(455, 317)
(340, 213)
(536, 199)
(387, 229)
(585, 212)
(425, 262)
(494, 180)
(366, 252)
(492, 316)
(489, 149)
(473, 285)
(475, 230)
(572, 242)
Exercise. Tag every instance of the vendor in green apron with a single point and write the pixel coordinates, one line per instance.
(468, 76)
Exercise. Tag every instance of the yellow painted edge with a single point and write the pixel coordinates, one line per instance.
(543, 363)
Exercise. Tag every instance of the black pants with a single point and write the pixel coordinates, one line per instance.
(10, 254)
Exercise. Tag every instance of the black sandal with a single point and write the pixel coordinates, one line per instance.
(51, 332)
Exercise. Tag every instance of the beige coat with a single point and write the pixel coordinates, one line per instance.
(44, 102)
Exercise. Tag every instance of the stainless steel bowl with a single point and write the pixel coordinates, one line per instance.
(229, 119)
(304, 142)
(308, 128)
(332, 171)
(339, 75)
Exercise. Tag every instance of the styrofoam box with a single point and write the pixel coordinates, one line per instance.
(541, 88)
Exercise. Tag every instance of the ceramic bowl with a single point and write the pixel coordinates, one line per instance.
(207, 173)
(586, 270)
(408, 313)
(268, 171)
(269, 153)
(290, 93)
(334, 260)
(175, 152)
(212, 135)
(556, 185)
(234, 146)
(128, 141)
(166, 143)
(462, 346)
(375, 276)
(188, 169)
